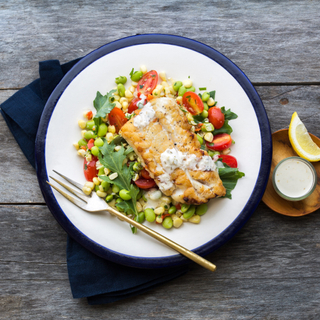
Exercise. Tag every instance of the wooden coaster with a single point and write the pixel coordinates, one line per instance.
(282, 149)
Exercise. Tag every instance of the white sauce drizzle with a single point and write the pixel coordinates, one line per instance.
(146, 115)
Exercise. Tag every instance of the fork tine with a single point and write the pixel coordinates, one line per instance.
(76, 184)
(78, 203)
(81, 196)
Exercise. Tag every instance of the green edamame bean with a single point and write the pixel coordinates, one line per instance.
(124, 194)
(98, 142)
(103, 129)
(193, 89)
(96, 188)
(101, 171)
(121, 89)
(200, 139)
(82, 142)
(149, 215)
(182, 90)
(204, 113)
(105, 185)
(141, 217)
(115, 189)
(207, 127)
(172, 210)
(213, 153)
(190, 212)
(177, 85)
(95, 151)
(109, 197)
(90, 124)
(202, 209)
(137, 167)
(89, 135)
(137, 76)
(184, 207)
(205, 106)
(205, 96)
(121, 79)
(167, 223)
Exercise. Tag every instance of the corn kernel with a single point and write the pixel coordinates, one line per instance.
(76, 145)
(122, 99)
(226, 151)
(177, 222)
(210, 102)
(159, 210)
(112, 129)
(86, 191)
(114, 175)
(89, 157)
(106, 171)
(156, 92)
(159, 219)
(101, 194)
(144, 69)
(187, 83)
(132, 89)
(128, 94)
(116, 97)
(96, 181)
(134, 84)
(109, 137)
(162, 76)
(208, 136)
(118, 104)
(125, 105)
(179, 100)
(117, 148)
(89, 184)
(83, 132)
(81, 153)
(82, 124)
(195, 219)
(165, 200)
(139, 207)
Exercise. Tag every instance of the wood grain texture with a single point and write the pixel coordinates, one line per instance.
(270, 269)
(271, 41)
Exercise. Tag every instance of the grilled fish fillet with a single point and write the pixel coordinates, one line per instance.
(161, 137)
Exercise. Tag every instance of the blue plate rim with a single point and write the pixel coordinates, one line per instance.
(225, 235)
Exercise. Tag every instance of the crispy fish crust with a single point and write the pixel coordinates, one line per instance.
(170, 130)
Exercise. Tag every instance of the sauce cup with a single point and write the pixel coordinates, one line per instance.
(294, 178)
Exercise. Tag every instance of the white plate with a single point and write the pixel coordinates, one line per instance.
(180, 58)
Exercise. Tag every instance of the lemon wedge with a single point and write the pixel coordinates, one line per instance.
(301, 141)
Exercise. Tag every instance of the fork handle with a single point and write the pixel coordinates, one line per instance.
(189, 254)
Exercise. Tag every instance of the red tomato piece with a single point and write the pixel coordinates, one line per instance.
(220, 142)
(117, 118)
(192, 102)
(89, 168)
(178, 206)
(145, 183)
(147, 83)
(145, 174)
(216, 117)
(229, 160)
(89, 115)
(133, 105)
(90, 144)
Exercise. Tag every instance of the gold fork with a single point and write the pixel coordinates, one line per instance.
(93, 203)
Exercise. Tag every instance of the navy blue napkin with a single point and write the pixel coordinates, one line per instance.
(91, 277)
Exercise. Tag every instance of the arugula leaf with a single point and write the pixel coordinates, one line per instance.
(226, 128)
(113, 160)
(229, 177)
(212, 94)
(228, 114)
(103, 104)
(132, 72)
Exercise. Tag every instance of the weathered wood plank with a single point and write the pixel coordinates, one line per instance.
(268, 270)
(270, 41)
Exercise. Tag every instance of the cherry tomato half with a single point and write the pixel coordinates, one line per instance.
(133, 105)
(147, 83)
(229, 160)
(117, 118)
(145, 183)
(145, 174)
(220, 142)
(89, 168)
(216, 117)
(90, 144)
(192, 102)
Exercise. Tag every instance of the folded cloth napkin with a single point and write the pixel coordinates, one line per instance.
(90, 276)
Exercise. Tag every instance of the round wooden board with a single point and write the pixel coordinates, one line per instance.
(282, 149)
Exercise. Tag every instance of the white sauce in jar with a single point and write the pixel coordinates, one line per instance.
(294, 178)
(146, 115)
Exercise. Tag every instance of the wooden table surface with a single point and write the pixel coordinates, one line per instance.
(270, 269)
